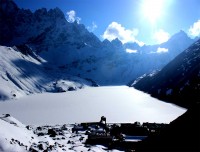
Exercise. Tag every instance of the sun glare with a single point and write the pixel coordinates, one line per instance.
(152, 9)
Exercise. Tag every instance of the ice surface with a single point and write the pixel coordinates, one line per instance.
(117, 103)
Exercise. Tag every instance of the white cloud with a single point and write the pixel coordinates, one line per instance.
(93, 27)
(140, 43)
(194, 30)
(72, 17)
(131, 51)
(162, 50)
(116, 30)
(161, 36)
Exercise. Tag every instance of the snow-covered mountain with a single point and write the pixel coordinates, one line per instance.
(22, 72)
(60, 48)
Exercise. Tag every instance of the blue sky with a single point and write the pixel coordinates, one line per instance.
(141, 21)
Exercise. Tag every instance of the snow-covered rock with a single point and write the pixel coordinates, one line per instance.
(14, 136)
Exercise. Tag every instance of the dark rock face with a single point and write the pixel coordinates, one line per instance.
(52, 133)
(178, 81)
(183, 134)
(7, 11)
(71, 89)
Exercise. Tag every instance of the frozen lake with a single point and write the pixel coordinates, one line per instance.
(116, 103)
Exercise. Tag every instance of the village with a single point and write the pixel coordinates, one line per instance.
(122, 136)
(87, 136)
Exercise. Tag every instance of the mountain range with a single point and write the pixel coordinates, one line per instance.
(44, 45)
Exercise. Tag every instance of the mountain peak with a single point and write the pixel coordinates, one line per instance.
(40, 12)
(180, 34)
(116, 42)
(132, 45)
(8, 6)
(106, 42)
(56, 13)
(180, 37)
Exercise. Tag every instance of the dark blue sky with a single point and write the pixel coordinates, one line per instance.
(148, 21)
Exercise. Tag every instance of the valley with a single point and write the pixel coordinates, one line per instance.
(57, 78)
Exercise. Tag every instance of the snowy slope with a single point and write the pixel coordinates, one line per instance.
(25, 73)
(13, 135)
(16, 137)
(15, 81)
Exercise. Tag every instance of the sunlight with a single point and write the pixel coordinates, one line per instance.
(152, 9)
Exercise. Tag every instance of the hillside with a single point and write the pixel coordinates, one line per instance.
(178, 82)
(22, 72)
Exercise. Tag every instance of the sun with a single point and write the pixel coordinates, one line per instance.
(152, 9)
